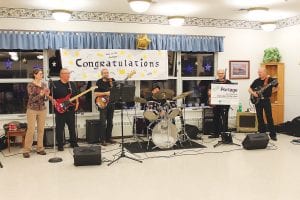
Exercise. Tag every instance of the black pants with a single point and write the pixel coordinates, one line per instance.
(220, 119)
(265, 105)
(61, 119)
(106, 120)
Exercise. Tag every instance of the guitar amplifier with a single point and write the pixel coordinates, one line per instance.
(94, 131)
(87, 156)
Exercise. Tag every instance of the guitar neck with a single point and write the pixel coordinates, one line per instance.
(81, 94)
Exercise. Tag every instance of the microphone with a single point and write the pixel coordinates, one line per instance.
(51, 82)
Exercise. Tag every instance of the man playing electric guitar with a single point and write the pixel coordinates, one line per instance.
(105, 107)
(61, 89)
(264, 102)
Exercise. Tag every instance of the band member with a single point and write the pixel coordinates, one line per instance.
(264, 103)
(61, 89)
(155, 90)
(36, 112)
(220, 119)
(106, 114)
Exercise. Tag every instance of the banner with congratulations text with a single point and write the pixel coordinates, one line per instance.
(86, 64)
(224, 94)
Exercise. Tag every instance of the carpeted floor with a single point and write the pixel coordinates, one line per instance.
(141, 147)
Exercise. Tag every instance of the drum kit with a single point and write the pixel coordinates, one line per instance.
(160, 115)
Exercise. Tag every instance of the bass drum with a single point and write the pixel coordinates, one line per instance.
(164, 134)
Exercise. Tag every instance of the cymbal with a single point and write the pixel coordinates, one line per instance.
(140, 100)
(164, 94)
(183, 95)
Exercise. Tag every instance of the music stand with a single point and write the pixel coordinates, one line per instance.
(226, 135)
(122, 95)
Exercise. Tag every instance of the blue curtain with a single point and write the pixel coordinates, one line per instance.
(91, 40)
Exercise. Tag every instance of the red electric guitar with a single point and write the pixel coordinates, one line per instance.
(64, 103)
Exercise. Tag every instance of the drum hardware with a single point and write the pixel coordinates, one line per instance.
(182, 135)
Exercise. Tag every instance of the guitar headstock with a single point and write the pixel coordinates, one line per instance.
(131, 74)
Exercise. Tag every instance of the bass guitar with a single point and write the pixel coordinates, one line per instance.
(64, 103)
(103, 100)
(260, 91)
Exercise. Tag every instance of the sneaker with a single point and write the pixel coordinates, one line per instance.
(74, 145)
(111, 141)
(103, 143)
(42, 152)
(273, 137)
(213, 136)
(60, 148)
(26, 155)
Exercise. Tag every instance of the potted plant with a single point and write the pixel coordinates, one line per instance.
(271, 55)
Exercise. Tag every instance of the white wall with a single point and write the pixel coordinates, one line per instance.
(288, 42)
(240, 44)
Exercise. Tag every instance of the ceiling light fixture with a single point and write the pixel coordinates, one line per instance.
(139, 6)
(176, 20)
(268, 26)
(257, 13)
(61, 15)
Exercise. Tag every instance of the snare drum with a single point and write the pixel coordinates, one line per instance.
(152, 109)
(171, 108)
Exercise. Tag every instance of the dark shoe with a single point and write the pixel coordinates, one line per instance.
(26, 155)
(213, 136)
(60, 148)
(74, 145)
(274, 138)
(111, 141)
(103, 144)
(42, 152)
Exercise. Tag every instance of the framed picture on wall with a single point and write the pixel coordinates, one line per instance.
(239, 69)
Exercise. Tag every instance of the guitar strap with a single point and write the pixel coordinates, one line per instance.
(266, 81)
(70, 88)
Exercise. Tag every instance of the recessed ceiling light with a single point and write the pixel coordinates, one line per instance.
(61, 15)
(176, 20)
(139, 6)
(268, 26)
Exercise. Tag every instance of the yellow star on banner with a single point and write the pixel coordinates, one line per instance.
(99, 75)
(100, 54)
(122, 71)
(159, 53)
(155, 71)
(76, 54)
(71, 62)
(65, 53)
(145, 57)
(129, 56)
(84, 76)
(142, 74)
(121, 52)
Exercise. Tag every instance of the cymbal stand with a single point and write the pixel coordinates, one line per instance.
(135, 137)
(183, 137)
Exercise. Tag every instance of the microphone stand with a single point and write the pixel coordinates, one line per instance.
(54, 159)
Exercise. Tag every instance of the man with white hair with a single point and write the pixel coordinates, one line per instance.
(220, 119)
(264, 104)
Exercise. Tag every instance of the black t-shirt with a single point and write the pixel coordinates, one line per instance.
(258, 83)
(103, 86)
(61, 90)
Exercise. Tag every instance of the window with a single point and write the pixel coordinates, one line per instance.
(172, 63)
(13, 98)
(197, 64)
(19, 64)
(199, 95)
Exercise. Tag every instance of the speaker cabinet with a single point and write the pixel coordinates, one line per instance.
(256, 141)
(49, 137)
(94, 131)
(246, 122)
